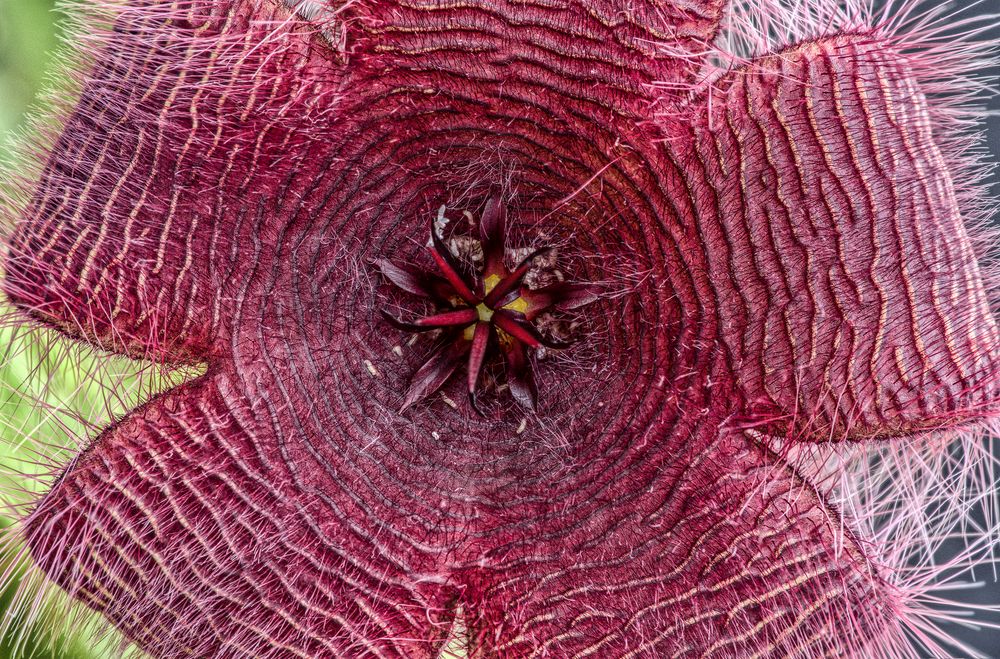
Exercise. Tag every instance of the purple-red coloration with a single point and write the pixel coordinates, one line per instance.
(495, 310)
(794, 269)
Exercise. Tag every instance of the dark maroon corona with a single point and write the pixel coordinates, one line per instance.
(492, 310)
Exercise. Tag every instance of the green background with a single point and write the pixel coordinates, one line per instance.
(27, 41)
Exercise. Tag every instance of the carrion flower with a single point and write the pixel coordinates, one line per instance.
(764, 430)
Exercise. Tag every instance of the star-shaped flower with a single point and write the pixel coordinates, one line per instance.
(796, 266)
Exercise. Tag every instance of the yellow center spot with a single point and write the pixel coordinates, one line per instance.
(490, 283)
(485, 313)
(519, 304)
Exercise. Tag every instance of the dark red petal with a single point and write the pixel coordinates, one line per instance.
(437, 321)
(492, 234)
(194, 533)
(627, 53)
(515, 324)
(514, 279)
(520, 378)
(477, 355)
(737, 557)
(436, 370)
(849, 293)
(148, 201)
(450, 268)
(563, 296)
(416, 281)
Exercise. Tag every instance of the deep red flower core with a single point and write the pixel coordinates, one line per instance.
(794, 266)
(493, 309)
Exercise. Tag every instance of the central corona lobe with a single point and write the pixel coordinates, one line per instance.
(483, 307)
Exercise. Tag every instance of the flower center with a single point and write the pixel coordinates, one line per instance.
(490, 311)
(485, 313)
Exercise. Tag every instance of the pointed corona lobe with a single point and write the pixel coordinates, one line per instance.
(734, 268)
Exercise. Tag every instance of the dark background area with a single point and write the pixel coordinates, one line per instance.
(986, 640)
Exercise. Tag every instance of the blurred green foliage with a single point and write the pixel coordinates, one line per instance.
(27, 43)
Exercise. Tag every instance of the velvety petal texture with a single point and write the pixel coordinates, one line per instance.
(776, 257)
(854, 303)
